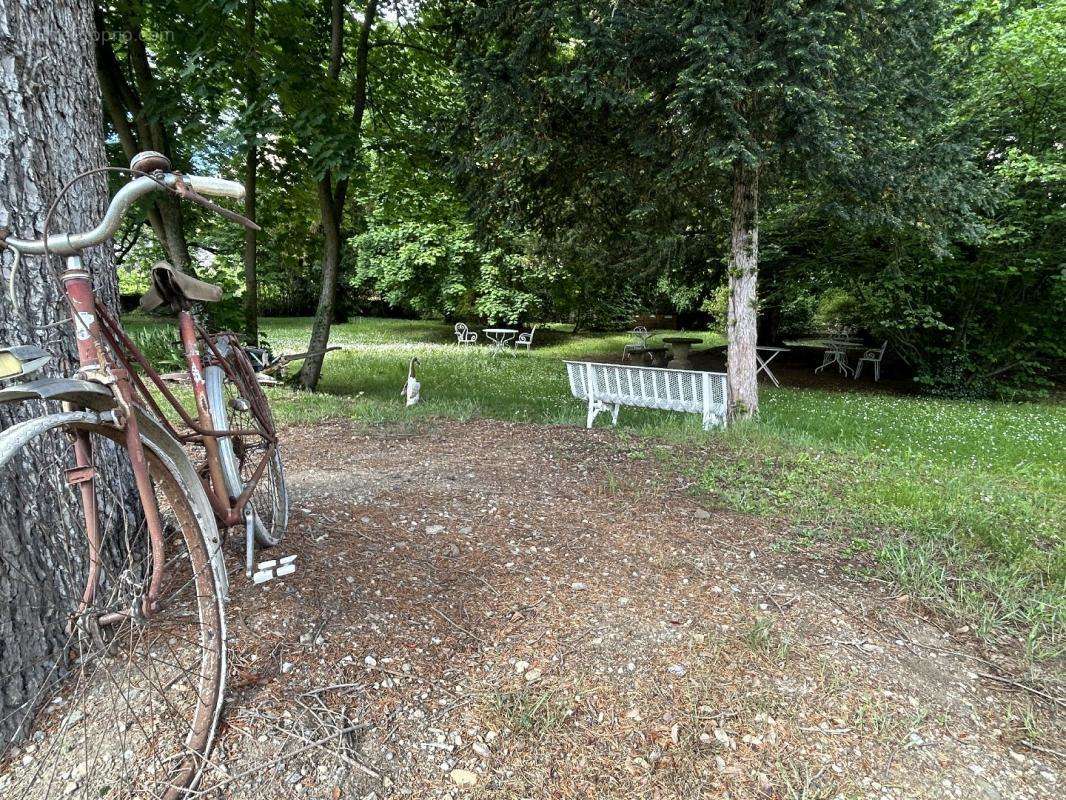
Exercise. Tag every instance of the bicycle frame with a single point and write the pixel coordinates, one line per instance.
(113, 364)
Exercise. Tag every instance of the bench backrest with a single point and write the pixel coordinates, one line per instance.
(649, 387)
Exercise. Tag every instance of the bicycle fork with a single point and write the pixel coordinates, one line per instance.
(78, 287)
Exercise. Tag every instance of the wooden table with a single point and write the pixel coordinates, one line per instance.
(681, 346)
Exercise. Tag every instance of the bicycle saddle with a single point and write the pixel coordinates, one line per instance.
(172, 286)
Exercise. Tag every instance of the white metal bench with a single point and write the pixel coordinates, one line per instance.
(608, 387)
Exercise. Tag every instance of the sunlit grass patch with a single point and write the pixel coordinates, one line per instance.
(984, 541)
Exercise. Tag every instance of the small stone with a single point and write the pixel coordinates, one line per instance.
(578, 586)
(464, 778)
(73, 718)
(287, 667)
(521, 666)
(678, 670)
(433, 530)
(702, 514)
(481, 749)
(370, 662)
(533, 675)
(70, 787)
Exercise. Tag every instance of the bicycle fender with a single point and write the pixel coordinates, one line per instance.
(81, 393)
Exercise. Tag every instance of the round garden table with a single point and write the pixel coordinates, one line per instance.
(681, 346)
(500, 337)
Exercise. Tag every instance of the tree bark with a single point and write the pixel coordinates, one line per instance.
(743, 296)
(251, 174)
(331, 198)
(50, 130)
(331, 262)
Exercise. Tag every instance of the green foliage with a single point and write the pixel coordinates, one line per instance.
(160, 345)
(717, 307)
(500, 296)
(612, 132)
(572, 161)
(835, 312)
(429, 270)
(437, 270)
(980, 314)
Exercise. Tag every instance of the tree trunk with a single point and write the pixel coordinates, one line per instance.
(331, 199)
(331, 264)
(743, 297)
(50, 129)
(251, 281)
(251, 174)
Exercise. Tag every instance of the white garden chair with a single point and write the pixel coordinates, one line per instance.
(525, 339)
(642, 335)
(874, 357)
(464, 335)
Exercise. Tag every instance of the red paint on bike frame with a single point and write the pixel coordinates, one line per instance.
(86, 486)
(79, 290)
(78, 287)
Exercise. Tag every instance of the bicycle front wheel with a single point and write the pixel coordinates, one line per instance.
(237, 402)
(103, 697)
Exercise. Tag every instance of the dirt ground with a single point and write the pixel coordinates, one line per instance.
(487, 610)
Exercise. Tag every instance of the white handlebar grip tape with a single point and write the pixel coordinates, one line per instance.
(215, 186)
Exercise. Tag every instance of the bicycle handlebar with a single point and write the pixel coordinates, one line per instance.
(68, 244)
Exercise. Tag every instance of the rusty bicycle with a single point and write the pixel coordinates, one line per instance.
(121, 686)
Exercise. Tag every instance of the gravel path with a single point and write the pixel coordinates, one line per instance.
(517, 611)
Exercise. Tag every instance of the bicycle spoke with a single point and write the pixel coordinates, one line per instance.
(125, 706)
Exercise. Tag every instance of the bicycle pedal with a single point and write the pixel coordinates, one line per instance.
(276, 568)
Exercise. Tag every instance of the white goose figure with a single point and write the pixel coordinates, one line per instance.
(411, 390)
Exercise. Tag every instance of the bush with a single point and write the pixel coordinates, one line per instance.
(437, 270)
(160, 345)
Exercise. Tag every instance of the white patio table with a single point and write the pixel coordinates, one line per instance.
(764, 363)
(500, 337)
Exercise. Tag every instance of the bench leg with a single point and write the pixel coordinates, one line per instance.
(713, 421)
(595, 407)
(614, 413)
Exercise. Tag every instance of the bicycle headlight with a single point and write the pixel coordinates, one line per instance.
(20, 360)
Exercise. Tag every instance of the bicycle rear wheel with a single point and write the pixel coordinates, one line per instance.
(237, 402)
(105, 701)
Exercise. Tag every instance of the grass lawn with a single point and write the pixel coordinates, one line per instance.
(960, 503)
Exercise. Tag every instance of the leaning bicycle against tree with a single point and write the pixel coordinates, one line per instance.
(128, 682)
